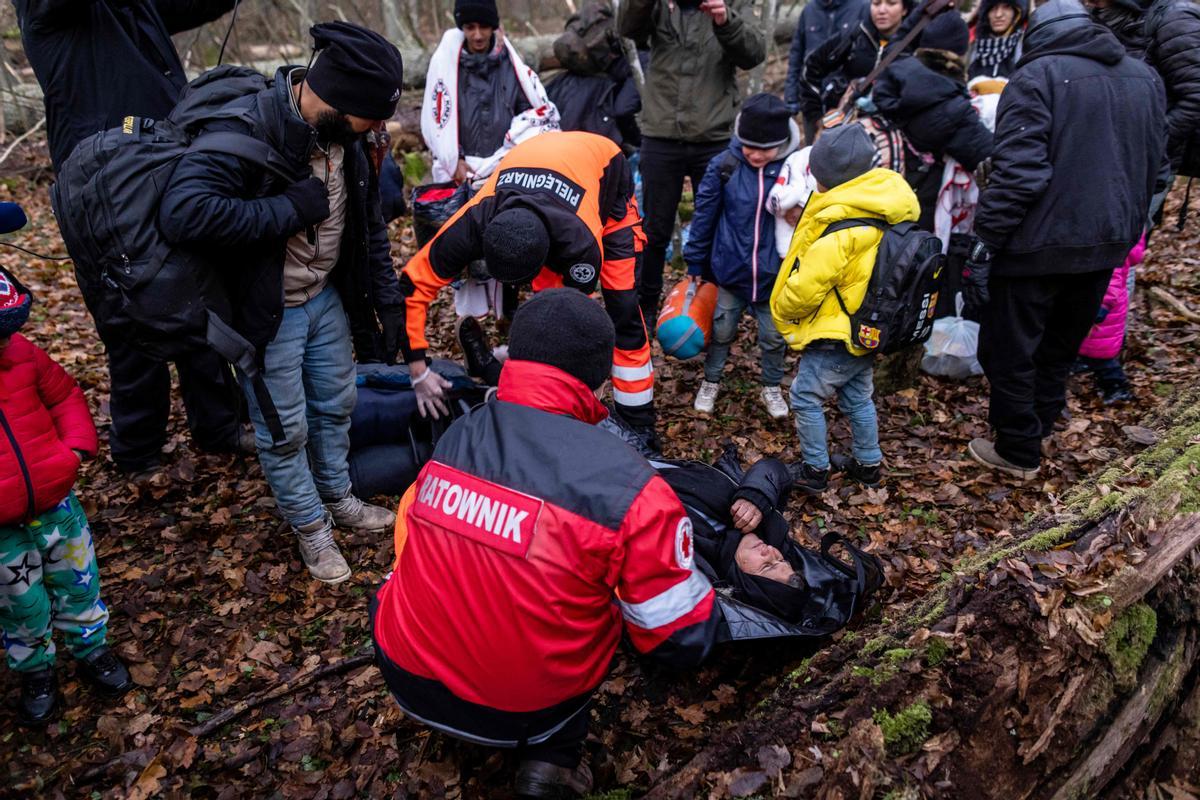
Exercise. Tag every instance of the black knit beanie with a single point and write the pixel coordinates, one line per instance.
(946, 31)
(763, 122)
(515, 244)
(357, 71)
(565, 329)
(482, 12)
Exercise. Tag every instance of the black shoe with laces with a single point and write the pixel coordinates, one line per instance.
(476, 353)
(39, 697)
(105, 672)
(1116, 392)
(808, 479)
(868, 476)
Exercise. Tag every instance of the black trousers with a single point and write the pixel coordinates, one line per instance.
(664, 163)
(1029, 337)
(140, 404)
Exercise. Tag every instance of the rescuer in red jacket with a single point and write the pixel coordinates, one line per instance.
(525, 547)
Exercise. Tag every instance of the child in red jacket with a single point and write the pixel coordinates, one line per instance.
(48, 573)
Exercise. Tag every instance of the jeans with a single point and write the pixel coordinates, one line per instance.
(664, 163)
(140, 403)
(49, 580)
(1029, 335)
(309, 371)
(728, 314)
(823, 372)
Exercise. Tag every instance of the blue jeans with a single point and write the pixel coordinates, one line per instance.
(726, 317)
(822, 373)
(310, 374)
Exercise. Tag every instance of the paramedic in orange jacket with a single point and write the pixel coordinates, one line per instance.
(558, 211)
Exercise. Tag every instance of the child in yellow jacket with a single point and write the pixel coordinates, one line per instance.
(805, 305)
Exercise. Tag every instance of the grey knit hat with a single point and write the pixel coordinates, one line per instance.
(841, 154)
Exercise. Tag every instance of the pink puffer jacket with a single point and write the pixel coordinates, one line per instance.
(1107, 336)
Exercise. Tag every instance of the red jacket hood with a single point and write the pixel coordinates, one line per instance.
(547, 388)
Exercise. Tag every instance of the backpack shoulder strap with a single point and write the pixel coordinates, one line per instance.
(245, 147)
(729, 164)
(843, 224)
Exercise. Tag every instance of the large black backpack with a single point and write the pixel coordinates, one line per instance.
(898, 309)
(169, 302)
(589, 43)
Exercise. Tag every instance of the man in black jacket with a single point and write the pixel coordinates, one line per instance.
(99, 61)
(1079, 139)
(300, 259)
(820, 21)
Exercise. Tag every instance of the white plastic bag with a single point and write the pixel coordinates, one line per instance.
(951, 350)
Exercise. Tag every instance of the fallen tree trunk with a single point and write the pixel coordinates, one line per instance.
(1061, 663)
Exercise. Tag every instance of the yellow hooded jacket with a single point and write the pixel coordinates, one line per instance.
(802, 301)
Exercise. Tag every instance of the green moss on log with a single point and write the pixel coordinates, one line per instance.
(1128, 640)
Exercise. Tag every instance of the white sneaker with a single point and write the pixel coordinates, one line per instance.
(772, 398)
(320, 552)
(706, 398)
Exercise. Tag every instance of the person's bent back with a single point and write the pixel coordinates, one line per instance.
(513, 543)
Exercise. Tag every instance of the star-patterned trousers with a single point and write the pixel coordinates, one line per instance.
(49, 579)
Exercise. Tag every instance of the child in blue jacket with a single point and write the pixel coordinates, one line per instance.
(732, 243)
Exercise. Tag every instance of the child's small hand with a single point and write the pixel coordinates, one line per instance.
(792, 215)
(746, 516)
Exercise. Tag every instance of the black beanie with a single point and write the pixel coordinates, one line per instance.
(515, 244)
(763, 122)
(565, 329)
(482, 12)
(357, 71)
(946, 31)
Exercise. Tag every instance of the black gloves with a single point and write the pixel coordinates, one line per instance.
(392, 320)
(310, 198)
(975, 275)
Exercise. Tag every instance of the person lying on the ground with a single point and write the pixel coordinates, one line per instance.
(558, 211)
(499, 620)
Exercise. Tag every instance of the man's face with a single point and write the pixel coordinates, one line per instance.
(337, 128)
(758, 157)
(756, 557)
(479, 37)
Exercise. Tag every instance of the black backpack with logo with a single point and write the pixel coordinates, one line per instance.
(168, 302)
(898, 309)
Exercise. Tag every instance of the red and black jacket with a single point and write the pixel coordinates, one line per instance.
(524, 548)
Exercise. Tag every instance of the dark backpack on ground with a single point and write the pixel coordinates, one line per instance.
(589, 44)
(169, 302)
(898, 309)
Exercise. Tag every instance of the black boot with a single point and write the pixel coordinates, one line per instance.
(868, 476)
(476, 353)
(541, 779)
(1114, 392)
(39, 697)
(105, 672)
(808, 479)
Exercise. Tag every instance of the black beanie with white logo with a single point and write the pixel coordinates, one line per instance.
(356, 71)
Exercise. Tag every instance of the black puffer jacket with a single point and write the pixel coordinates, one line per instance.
(234, 212)
(1173, 31)
(934, 112)
(829, 69)
(1079, 139)
(605, 103)
(489, 96)
(102, 60)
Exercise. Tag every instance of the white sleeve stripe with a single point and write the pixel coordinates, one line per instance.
(632, 398)
(637, 373)
(663, 609)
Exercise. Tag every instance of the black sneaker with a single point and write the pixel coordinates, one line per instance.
(105, 672)
(537, 780)
(476, 353)
(1113, 393)
(808, 479)
(868, 476)
(39, 697)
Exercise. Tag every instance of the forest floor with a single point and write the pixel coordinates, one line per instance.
(211, 605)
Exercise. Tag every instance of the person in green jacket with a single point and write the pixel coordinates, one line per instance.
(688, 106)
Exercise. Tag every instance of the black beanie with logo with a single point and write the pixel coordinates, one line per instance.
(564, 328)
(356, 71)
(481, 12)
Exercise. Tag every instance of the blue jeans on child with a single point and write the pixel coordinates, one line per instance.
(827, 368)
(726, 317)
(310, 374)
